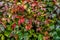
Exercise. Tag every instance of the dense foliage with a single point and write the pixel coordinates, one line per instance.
(29, 19)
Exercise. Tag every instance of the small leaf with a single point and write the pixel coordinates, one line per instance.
(25, 36)
(2, 38)
(7, 33)
(40, 37)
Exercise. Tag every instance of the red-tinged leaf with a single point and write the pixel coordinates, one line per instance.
(35, 15)
(26, 0)
(47, 21)
(30, 21)
(43, 9)
(13, 25)
(20, 21)
(16, 37)
(39, 13)
(54, 1)
(1, 3)
(20, 8)
(14, 8)
(46, 33)
(18, 17)
(15, 1)
(28, 27)
(23, 0)
(14, 16)
(39, 29)
(46, 38)
(34, 4)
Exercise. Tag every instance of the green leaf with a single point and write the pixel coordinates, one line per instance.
(0, 13)
(26, 36)
(52, 26)
(2, 38)
(0, 35)
(58, 33)
(40, 37)
(9, 27)
(20, 35)
(7, 33)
